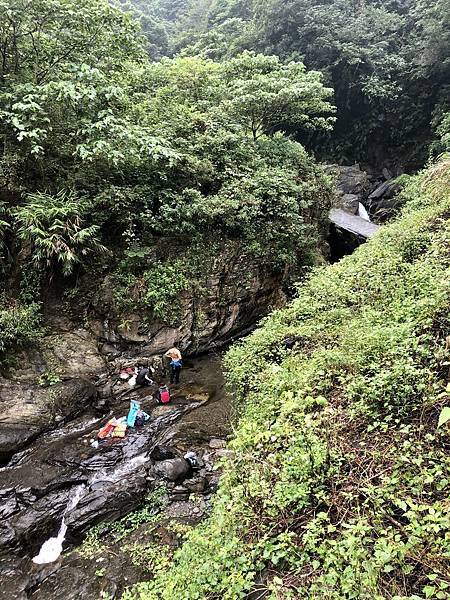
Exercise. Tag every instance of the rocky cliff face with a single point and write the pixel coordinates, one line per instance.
(92, 347)
(234, 293)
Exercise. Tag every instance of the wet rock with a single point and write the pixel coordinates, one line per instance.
(348, 202)
(179, 489)
(217, 443)
(382, 190)
(196, 484)
(38, 482)
(162, 453)
(26, 411)
(110, 350)
(67, 354)
(173, 469)
(14, 579)
(108, 503)
(383, 201)
(33, 523)
(105, 391)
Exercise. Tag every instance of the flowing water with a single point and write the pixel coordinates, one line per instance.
(53, 547)
(56, 489)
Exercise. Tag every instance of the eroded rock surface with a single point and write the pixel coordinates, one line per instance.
(26, 410)
(236, 293)
(112, 480)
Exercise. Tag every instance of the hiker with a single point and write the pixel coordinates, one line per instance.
(162, 396)
(173, 353)
(143, 377)
(175, 364)
(175, 368)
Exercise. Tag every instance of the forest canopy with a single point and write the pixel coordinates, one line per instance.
(387, 60)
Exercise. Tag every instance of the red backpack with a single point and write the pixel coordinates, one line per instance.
(165, 394)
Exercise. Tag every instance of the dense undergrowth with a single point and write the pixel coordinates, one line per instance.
(114, 165)
(339, 485)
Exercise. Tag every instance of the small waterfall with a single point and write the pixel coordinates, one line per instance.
(362, 212)
(52, 548)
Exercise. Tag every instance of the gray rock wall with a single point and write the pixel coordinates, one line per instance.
(233, 295)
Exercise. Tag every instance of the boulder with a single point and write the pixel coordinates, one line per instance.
(108, 502)
(380, 191)
(348, 202)
(173, 469)
(196, 484)
(350, 180)
(217, 443)
(162, 453)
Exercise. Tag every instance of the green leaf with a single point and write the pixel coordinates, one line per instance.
(444, 416)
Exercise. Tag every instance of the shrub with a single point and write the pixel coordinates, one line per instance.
(19, 326)
(54, 226)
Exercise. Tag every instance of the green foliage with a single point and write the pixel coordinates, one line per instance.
(263, 95)
(19, 326)
(48, 378)
(154, 154)
(157, 291)
(443, 130)
(386, 60)
(118, 531)
(54, 228)
(444, 416)
(339, 480)
(153, 556)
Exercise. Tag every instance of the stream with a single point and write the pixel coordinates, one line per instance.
(60, 486)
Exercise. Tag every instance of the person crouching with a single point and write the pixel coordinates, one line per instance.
(143, 377)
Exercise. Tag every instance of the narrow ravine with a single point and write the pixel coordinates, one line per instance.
(53, 492)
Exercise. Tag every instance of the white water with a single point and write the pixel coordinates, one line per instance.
(52, 548)
(119, 472)
(362, 212)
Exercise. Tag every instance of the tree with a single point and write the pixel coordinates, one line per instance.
(64, 94)
(264, 95)
(387, 61)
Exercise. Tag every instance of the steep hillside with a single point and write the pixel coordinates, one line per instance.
(339, 484)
